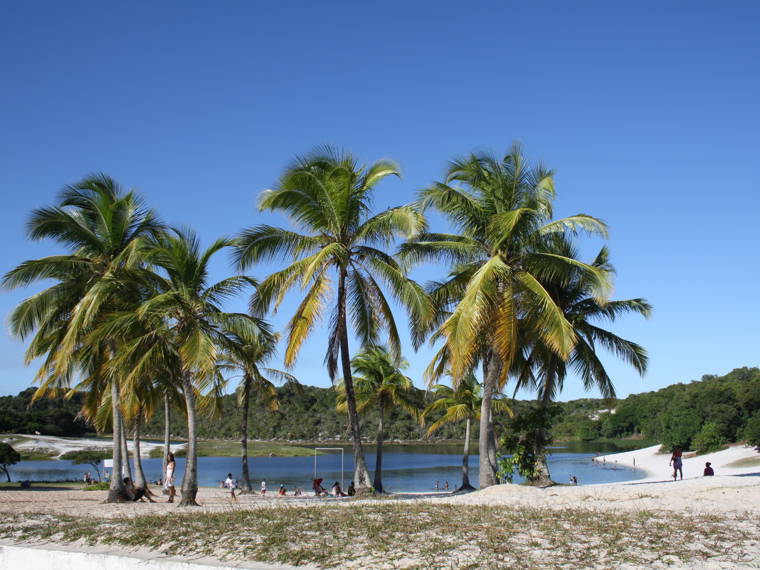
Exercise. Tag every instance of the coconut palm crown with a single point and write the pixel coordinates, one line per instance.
(340, 261)
(501, 210)
(104, 230)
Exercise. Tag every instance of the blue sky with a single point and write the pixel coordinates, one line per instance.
(648, 112)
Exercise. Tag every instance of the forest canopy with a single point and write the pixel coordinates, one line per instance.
(726, 407)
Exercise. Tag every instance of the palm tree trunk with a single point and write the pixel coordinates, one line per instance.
(167, 435)
(116, 490)
(466, 486)
(126, 466)
(487, 462)
(378, 484)
(361, 474)
(190, 477)
(139, 473)
(245, 477)
(542, 476)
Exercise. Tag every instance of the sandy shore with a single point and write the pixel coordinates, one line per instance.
(655, 464)
(729, 502)
(734, 489)
(61, 445)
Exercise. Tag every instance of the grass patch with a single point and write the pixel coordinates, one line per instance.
(47, 484)
(231, 448)
(745, 462)
(38, 453)
(423, 535)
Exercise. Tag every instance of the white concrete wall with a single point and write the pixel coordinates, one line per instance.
(16, 557)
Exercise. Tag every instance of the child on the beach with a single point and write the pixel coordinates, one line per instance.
(231, 484)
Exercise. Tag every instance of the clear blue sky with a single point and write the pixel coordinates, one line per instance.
(648, 111)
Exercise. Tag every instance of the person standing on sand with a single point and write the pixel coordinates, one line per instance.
(677, 461)
(264, 487)
(231, 484)
(169, 476)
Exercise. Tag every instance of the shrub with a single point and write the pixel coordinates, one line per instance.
(708, 438)
(8, 457)
(752, 431)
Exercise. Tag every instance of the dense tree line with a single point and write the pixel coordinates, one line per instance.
(48, 416)
(672, 416)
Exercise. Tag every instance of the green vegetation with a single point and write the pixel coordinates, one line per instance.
(38, 454)
(745, 462)
(93, 457)
(49, 416)
(675, 415)
(8, 457)
(231, 448)
(752, 430)
(423, 535)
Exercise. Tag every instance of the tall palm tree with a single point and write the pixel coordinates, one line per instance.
(184, 322)
(248, 352)
(545, 372)
(104, 230)
(328, 196)
(502, 210)
(461, 403)
(380, 384)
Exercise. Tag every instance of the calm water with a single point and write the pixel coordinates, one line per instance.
(405, 468)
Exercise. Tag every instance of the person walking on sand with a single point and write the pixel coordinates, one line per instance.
(677, 461)
(171, 464)
(231, 484)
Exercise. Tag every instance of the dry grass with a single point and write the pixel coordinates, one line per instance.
(413, 535)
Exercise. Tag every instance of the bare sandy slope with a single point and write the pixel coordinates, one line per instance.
(655, 464)
(61, 445)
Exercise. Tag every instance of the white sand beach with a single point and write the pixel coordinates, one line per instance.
(60, 445)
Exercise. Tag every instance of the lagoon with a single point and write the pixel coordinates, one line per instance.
(406, 468)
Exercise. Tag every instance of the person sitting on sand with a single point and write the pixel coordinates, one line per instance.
(282, 491)
(297, 492)
(231, 484)
(135, 494)
(708, 470)
(351, 489)
(337, 491)
(677, 460)
(317, 487)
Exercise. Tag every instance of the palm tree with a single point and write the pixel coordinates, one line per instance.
(502, 209)
(329, 197)
(380, 384)
(184, 323)
(247, 352)
(104, 230)
(544, 371)
(460, 403)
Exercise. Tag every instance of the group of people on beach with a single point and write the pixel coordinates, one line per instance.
(676, 460)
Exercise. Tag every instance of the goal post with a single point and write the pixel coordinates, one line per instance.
(342, 452)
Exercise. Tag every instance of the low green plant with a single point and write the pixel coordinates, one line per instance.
(99, 486)
(708, 439)
(752, 431)
(92, 457)
(8, 457)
